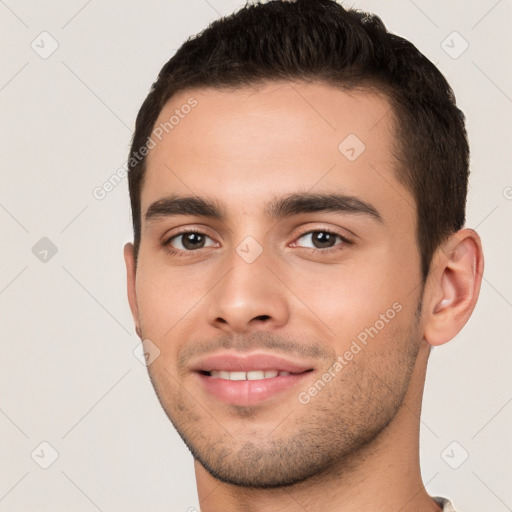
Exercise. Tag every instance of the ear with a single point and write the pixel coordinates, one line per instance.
(452, 286)
(129, 259)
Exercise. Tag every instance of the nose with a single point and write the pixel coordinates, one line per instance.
(249, 297)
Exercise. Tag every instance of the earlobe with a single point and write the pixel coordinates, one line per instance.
(129, 259)
(453, 287)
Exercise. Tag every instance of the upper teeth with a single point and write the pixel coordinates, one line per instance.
(252, 375)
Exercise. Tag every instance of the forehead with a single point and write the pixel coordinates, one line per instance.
(244, 145)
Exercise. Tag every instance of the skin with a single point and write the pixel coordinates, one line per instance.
(354, 446)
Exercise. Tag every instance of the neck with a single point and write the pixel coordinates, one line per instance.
(383, 475)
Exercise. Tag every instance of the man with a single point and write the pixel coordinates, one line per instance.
(298, 182)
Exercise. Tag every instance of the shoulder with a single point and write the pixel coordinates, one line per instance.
(445, 503)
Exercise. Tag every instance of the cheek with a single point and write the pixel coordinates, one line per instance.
(167, 298)
(349, 299)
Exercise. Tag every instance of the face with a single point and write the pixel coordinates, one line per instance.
(278, 277)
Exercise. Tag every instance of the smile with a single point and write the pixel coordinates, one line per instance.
(252, 375)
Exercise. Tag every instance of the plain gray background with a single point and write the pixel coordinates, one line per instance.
(68, 374)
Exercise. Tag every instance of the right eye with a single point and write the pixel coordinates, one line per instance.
(189, 241)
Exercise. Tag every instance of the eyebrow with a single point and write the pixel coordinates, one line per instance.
(293, 204)
(296, 204)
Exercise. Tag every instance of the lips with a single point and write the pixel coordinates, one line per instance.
(248, 379)
(236, 362)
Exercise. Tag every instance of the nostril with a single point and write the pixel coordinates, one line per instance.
(262, 317)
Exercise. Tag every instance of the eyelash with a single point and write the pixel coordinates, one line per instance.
(309, 250)
(179, 252)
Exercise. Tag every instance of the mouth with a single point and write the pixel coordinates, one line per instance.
(249, 379)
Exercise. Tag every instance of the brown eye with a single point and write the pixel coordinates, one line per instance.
(320, 240)
(189, 241)
(193, 241)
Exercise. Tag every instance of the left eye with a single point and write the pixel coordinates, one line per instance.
(190, 241)
(320, 239)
